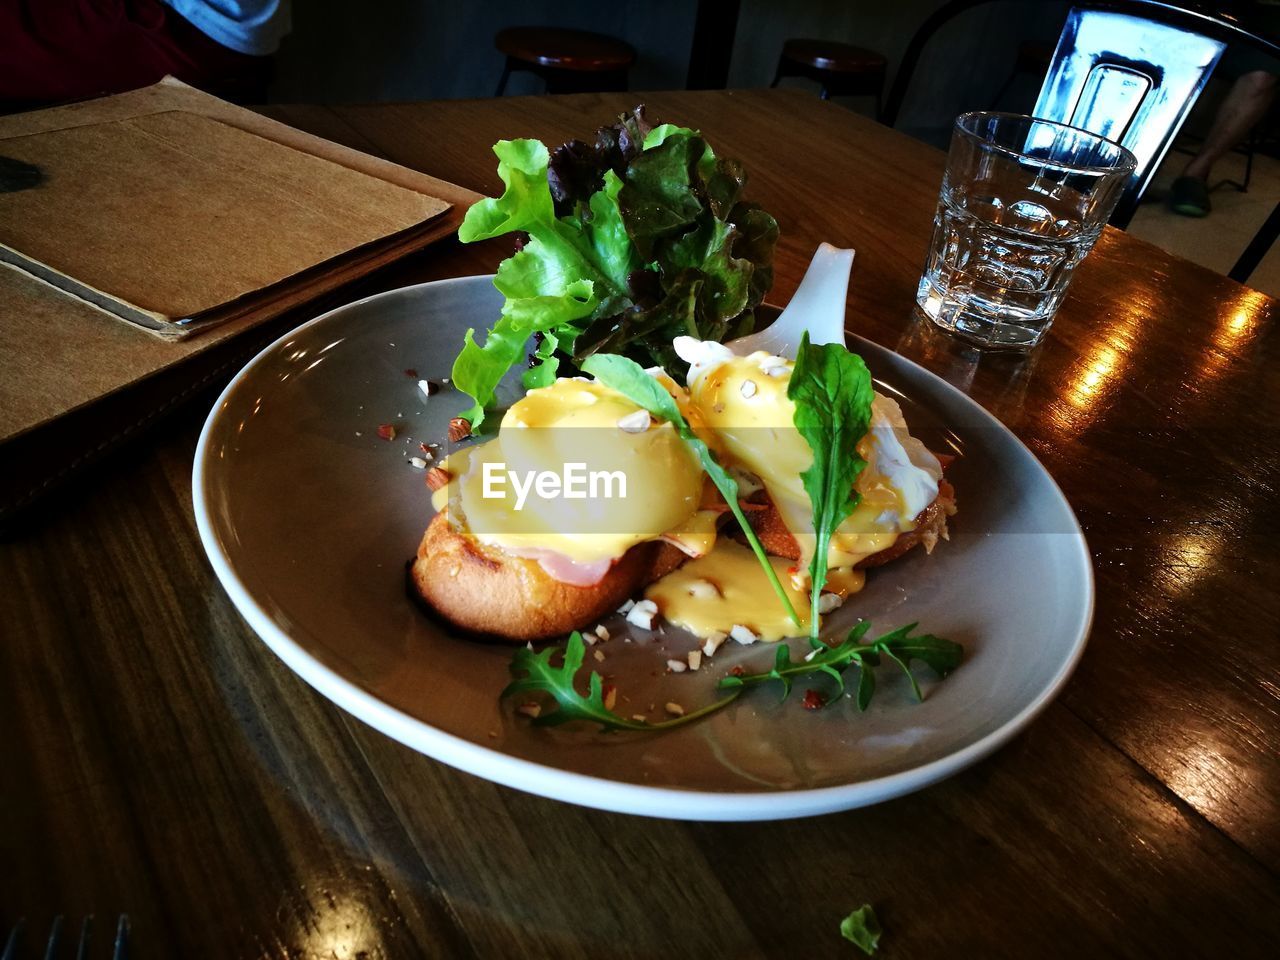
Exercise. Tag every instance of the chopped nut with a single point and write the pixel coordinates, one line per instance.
(425, 387)
(830, 601)
(674, 709)
(639, 718)
(748, 389)
(626, 607)
(601, 632)
(812, 653)
(642, 613)
(418, 463)
(773, 366)
(599, 655)
(677, 666)
(437, 477)
(743, 634)
(694, 657)
(459, 429)
(610, 696)
(529, 709)
(589, 639)
(703, 589)
(637, 422)
(712, 643)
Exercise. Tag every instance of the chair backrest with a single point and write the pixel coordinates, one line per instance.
(1130, 69)
(1129, 79)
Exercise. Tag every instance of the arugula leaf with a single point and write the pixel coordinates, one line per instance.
(899, 645)
(629, 379)
(533, 672)
(832, 392)
(862, 928)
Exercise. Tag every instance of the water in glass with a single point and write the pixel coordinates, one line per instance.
(997, 272)
(1023, 200)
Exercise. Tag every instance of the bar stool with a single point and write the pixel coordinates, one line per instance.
(841, 69)
(569, 61)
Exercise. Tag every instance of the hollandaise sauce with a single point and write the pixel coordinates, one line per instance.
(743, 400)
(728, 588)
(572, 434)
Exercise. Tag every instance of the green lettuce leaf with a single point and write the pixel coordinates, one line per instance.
(832, 392)
(562, 275)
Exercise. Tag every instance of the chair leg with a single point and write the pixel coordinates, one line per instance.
(502, 81)
(1257, 249)
(777, 74)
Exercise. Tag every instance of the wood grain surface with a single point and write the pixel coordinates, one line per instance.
(156, 758)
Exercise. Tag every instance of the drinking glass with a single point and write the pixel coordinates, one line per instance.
(1023, 201)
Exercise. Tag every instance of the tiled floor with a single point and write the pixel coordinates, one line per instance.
(1218, 239)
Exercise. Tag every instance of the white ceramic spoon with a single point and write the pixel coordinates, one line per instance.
(818, 306)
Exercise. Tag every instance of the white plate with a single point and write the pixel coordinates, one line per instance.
(308, 518)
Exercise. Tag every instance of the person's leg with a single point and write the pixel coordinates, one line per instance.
(1247, 103)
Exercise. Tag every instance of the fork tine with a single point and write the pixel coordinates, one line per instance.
(11, 945)
(82, 951)
(121, 951)
(55, 934)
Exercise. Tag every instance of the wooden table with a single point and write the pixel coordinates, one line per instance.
(157, 760)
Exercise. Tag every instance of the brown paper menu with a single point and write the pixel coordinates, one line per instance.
(172, 219)
(74, 377)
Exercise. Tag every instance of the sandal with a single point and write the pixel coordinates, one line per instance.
(1189, 196)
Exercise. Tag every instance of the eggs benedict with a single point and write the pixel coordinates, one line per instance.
(581, 498)
(743, 403)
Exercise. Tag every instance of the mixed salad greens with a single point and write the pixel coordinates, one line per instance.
(632, 240)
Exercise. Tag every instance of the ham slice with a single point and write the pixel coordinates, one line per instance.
(559, 567)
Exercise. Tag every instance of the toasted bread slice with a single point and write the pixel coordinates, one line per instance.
(489, 592)
(931, 523)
